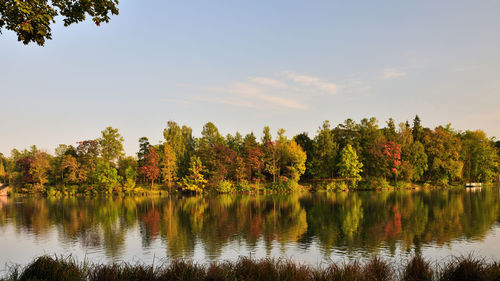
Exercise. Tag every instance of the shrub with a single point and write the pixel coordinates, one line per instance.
(443, 181)
(51, 191)
(331, 186)
(244, 186)
(336, 186)
(284, 184)
(342, 186)
(224, 186)
(374, 183)
(403, 185)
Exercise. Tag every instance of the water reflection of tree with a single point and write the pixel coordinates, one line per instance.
(367, 221)
(352, 221)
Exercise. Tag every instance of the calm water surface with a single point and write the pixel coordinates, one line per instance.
(313, 228)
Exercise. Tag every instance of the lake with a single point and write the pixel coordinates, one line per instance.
(311, 227)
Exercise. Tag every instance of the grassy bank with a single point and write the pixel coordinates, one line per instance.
(416, 268)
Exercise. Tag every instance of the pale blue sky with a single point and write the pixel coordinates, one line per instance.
(247, 64)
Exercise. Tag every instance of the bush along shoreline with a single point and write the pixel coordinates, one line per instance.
(361, 155)
(416, 268)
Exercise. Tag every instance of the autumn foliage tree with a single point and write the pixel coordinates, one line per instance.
(392, 152)
(169, 165)
(150, 168)
(215, 163)
(194, 179)
(71, 170)
(3, 173)
(252, 157)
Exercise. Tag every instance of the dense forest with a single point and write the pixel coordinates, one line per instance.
(350, 155)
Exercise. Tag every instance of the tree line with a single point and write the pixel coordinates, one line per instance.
(362, 154)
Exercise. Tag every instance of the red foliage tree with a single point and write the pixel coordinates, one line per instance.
(25, 164)
(253, 160)
(392, 152)
(151, 169)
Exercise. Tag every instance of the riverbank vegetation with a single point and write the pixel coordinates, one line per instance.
(349, 156)
(416, 268)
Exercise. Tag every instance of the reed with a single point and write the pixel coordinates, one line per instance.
(247, 269)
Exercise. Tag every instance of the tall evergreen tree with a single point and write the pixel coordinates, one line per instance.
(418, 131)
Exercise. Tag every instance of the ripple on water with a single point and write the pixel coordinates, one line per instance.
(313, 228)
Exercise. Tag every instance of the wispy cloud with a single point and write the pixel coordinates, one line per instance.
(254, 96)
(312, 81)
(284, 91)
(391, 73)
(269, 82)
(229, 101)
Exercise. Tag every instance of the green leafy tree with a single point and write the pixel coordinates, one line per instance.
(235, 142)
(111, 144)
(325, 148)
(349, 166)
(210, 139)
(443, 150)
(31, 20)
(371, 147)
(107, 177)
(347, 133)
(124, 163)
(479, 156)
(390, 131)
(413, 156)
(414, 161)
(194, 180)
(182, 143)
(374, 159)
(144, 146)
(130, 184)
(417, 130)
(266, 135)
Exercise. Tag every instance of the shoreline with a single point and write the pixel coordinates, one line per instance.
(262, 191)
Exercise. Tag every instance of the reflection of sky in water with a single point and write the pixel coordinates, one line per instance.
(22, 247)
(291, 235)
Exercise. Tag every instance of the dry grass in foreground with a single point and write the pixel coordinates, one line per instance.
(417, 268)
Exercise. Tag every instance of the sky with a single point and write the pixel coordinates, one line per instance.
(246, 64)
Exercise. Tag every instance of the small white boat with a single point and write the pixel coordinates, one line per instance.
(473, 184)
